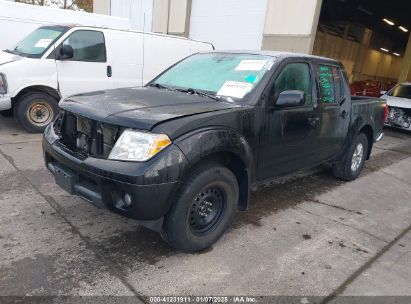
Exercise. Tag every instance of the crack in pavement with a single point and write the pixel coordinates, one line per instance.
(111, 266)
(340, 289)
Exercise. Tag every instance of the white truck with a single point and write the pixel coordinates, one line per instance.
(399, 106)
(56, 61)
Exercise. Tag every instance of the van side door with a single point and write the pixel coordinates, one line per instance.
(335, 106)
(88, 68)
(290, 134)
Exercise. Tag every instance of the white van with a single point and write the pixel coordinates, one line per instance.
(61, 60)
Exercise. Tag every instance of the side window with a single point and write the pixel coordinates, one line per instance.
(295, 76)
(330, 83)
(87, 46)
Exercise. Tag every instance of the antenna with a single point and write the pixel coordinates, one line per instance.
(144, 34)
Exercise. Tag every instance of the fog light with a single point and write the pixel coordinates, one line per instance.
(127, 199)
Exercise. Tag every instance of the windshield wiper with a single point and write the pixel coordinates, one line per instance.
(200, 93)
(160, 86)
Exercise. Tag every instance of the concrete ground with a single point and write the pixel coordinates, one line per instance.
(306, 236)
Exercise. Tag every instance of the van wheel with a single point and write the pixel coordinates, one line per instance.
(205, 206)
(34, 111)
(351, 166)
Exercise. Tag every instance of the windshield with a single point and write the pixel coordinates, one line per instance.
(401, 90)
(35, 44)
(220, 74)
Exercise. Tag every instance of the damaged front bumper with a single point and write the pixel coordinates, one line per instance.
(143, 191)
(399, 118)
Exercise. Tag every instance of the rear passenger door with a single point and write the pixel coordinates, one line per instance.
(334, 106)
(89, 69)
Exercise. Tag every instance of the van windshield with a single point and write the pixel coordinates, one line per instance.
(227, 75)
(35, 44)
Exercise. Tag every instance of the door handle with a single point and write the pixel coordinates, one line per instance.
(313, 120)
(343, 114)
(109, 71)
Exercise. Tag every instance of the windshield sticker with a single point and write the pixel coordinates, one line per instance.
(42, 43)
(235, 89)
(251, 65)
(251, 78)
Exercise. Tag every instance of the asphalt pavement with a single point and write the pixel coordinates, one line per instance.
(306, 235)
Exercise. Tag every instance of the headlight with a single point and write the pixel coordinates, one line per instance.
(138, 146)
(3, 84)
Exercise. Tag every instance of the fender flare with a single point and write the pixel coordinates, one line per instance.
(201, 144)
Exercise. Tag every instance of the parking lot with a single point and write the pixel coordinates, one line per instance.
(306, 235)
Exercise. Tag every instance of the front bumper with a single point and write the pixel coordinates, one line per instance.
(5, 102)
(151, 185)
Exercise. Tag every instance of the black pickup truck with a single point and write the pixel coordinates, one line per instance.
(181, 154)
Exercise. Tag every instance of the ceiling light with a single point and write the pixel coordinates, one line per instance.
(388, 21)
(385, 50)
(403, 29)
(396, 54)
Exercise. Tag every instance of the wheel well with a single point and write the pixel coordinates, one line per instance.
(237, 166)
(43, 89)
(367, 130)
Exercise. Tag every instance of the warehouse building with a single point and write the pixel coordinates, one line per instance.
(371, 38)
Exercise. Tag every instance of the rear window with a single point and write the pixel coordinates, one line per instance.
(330, 84)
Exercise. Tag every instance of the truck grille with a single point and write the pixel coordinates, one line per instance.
(86, 137)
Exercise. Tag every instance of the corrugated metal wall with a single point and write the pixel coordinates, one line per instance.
(229, 24)
(139, 12)
(360, 62)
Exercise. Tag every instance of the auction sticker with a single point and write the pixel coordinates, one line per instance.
(42, 43)
(251, 65)
(235, 89)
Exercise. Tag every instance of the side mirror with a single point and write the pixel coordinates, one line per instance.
(291, 98)
(383, 92)
(66, 52)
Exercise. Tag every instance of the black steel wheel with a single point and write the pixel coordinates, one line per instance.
(203, 209)
(206, 209)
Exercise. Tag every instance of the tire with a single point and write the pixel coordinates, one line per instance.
(6, 113)
(353, 162)
(190, 226)
(34, 111)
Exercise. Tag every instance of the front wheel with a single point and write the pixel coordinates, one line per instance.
(350, 167)
(204, 208)
(34, 111)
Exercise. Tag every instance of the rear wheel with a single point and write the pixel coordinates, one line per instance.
(353, 162)
(204, 208)
(34, 111)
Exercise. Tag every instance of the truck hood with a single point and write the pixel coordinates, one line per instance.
(140, 108)
(7, 57)
(397, 102)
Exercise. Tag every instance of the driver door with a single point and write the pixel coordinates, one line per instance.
(290, 137)
(89, 68)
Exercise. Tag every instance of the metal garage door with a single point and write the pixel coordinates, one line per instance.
(229, 24)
